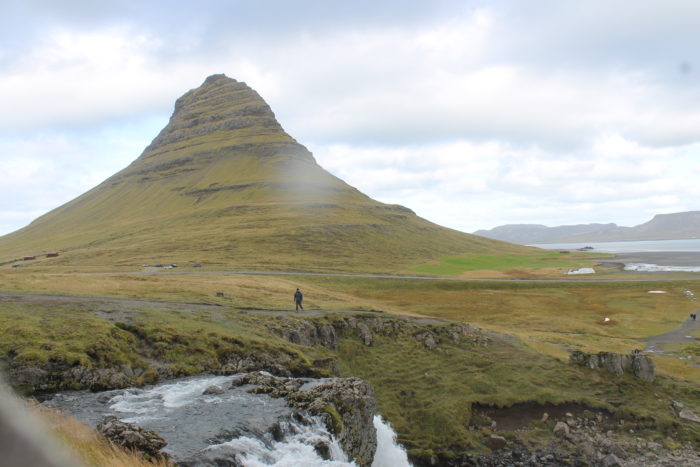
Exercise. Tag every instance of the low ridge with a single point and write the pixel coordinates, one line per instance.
(223, 183)
(675, 226)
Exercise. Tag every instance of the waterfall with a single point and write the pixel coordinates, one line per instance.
(206, 429)
(389, 453)
(297, 447)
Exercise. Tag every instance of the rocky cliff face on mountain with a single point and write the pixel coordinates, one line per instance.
(223, 183)
(679, 225)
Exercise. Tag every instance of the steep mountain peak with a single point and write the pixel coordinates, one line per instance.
(221, 107)
(224, 183)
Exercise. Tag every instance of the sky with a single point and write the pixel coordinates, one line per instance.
(473, 114)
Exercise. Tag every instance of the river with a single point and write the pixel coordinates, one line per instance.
(198, 427)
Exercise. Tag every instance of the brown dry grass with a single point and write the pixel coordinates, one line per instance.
(86, 444)
(551, 318)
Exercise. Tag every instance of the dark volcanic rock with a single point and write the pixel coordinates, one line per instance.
(214, 389)
(224, 456)
(637, 363)
(310, 334)
(366, 327)
(132, 437)
(346, 405)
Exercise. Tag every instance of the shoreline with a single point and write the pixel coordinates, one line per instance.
(661, 258)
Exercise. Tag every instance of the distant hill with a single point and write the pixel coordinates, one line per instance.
(662, 227)
(224, 184)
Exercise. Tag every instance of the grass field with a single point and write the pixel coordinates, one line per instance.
(533, 260)
(421, 392)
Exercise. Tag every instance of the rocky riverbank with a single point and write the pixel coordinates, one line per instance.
(238, 420)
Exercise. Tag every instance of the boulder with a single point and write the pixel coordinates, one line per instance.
(495, 442)
(222, 456)
(214, 389)
(686, 414)
(365, 333)
(654, 446)
(618, 451)
(323, 450)
(610, 460)
(427, 339)
(132, 437)
(561, 429)
(643, 367)
(277, 364)
(588, 450)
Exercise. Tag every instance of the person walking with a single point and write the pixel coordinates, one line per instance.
(298, 298)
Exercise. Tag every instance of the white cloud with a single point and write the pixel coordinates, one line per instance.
(473, 116)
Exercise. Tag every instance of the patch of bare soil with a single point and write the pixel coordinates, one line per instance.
(519, 416)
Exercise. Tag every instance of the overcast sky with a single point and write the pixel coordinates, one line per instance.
(472, 113)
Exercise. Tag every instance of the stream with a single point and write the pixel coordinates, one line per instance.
(258, 429)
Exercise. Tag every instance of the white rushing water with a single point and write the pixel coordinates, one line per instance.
(158, 401)
(298, 449)
(234, 423)
(389, 454)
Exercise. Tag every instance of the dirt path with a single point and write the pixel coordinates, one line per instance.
(126, 302)
(115, 309)
(680, 335)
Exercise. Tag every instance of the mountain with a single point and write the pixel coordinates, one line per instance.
(224, 184)
(679, 225)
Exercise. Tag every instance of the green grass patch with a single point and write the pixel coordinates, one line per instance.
(542, 259)
(427, 395)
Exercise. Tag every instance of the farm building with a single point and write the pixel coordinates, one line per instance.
(28, 258)
(53, 254)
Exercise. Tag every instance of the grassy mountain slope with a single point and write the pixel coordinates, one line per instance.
(223, 184)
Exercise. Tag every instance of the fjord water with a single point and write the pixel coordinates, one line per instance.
(689, 244)
(197, 425)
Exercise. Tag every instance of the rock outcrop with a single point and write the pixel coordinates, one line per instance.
(366, 326)
(636, 363)
(133, 438)
(346, 405)
(55, 376)
(58, 376)
(310, 334)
